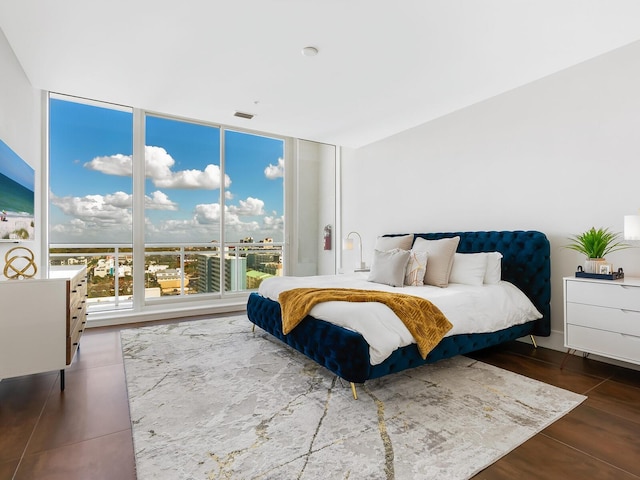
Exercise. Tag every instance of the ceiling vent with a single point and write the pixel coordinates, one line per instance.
(248, 116)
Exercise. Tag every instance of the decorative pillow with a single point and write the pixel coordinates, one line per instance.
(440, 253)
(416, 268)
(494, 268)
(468, 268)
(403, 242)
(388, 267)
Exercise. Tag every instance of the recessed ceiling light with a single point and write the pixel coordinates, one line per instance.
(309, 51)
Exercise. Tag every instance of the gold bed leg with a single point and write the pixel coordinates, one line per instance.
(253, 328)
(353, 390)
(535, 345)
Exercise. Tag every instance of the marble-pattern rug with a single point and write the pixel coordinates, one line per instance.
(209, 399)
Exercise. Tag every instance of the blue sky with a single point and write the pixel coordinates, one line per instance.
(91, 184)
(12, 166)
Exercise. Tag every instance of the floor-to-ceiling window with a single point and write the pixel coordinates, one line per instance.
(183, 184)
(253, 213)
(90, 194)
(212, 203)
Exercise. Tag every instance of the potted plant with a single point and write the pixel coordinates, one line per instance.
(596, 245)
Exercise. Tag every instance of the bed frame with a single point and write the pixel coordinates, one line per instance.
(525, 263)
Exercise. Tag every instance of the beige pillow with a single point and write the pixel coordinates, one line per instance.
(440, 253)
(389, 267)
(403, 242)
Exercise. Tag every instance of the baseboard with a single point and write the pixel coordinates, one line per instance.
(130, 317)
(555, 341)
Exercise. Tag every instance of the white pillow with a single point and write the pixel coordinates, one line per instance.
(403, 242)
(416, 268)
(440, 253)
(494, 268)
(388, 267)
(468, 268)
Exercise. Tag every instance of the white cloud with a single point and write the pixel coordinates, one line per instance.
(274, 223)
(248, 207)
(158, 164)
(207, 213)
(118, 200)
(275, 171)
(159, 201)
(117, 164)
(113, 209)
(94, 219)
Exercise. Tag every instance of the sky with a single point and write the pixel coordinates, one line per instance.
(12, 166)
(91, 181)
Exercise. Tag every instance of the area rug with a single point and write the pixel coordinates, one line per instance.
(209, 399)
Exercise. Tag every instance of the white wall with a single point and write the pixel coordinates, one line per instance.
(20, 129)
(559, 155)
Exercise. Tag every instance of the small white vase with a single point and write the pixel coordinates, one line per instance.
(592, 265)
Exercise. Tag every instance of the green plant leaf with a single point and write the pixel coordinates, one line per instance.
(596, 243)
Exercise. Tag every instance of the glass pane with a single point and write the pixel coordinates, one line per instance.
(254, 213)
(90, 167)
(109, 269)
(255, 198)
(90, 196)
(183, 181)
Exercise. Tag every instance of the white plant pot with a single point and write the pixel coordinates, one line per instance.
(592, 265)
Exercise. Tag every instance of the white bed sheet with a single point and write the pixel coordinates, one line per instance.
(471, 309)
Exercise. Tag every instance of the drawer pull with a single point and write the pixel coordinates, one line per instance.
(631, 337)
(626, 310)
(74, 317)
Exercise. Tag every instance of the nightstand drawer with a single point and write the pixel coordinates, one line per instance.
(609, 344)
(603, 318)
(615, 295)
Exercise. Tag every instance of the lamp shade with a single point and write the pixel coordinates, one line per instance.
(632, 227)
(347, 244)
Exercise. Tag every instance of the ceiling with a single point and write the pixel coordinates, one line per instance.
(382, 66)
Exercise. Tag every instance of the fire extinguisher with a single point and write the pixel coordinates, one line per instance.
(327, 237)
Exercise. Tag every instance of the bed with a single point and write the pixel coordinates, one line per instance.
(525, 264)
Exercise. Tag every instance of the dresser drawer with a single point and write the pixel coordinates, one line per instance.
(77, 310)
(609, 344)
(604, 318)
(614, 295)
(72, 344)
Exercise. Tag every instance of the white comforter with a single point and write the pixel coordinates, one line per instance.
(471, 309)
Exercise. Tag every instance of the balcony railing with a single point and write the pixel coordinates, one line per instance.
(171, 270)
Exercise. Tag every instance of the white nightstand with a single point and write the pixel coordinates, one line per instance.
(603, 317)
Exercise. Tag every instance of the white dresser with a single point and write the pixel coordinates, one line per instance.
(603, 317)
(41, 322)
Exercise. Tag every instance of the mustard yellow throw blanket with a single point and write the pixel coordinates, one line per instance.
(422, 318)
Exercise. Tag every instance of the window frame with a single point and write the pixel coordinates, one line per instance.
(141, 306)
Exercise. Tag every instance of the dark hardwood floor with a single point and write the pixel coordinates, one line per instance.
(85, 432)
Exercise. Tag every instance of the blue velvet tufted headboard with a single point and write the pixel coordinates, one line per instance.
(526, 263)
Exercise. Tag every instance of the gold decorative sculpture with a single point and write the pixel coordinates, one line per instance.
(19, 263)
